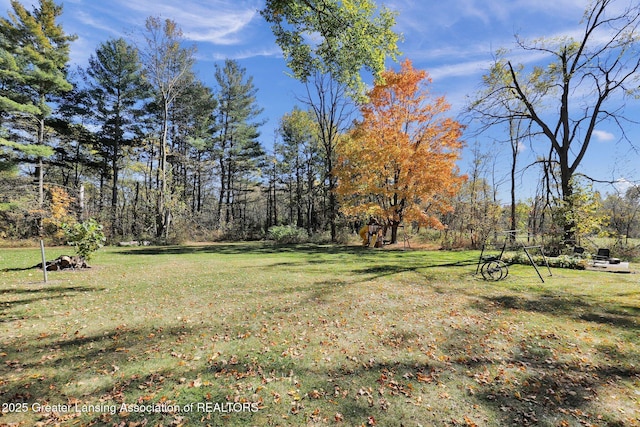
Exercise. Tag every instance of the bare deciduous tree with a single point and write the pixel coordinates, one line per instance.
(581, 83)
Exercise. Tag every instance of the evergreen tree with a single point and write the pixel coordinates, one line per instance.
(34, 51)
(192, 117)
(236, 144)
(73, 162)
(117, 89)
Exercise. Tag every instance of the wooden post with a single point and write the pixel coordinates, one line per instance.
(44, 260)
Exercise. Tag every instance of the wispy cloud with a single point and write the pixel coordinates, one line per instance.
(213, 21)
(245, 54)
(460, 69)
(603, 136)
(223, 30)
(92, 22)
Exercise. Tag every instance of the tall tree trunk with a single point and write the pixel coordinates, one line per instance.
(198, 189)
(114, 197)
(275, 199)
(566, 174)
(513, 225)
(394, 231)
(310, 201)
(228, 197)
(135, 230)
(162, 215)
(299, 193)
(291, 201)
(223, 182)
(333, 202)
(40, 173)
(569, 224)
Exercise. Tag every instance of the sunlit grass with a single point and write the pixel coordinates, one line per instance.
(316, 335)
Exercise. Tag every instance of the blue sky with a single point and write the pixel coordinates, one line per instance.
(452, 40)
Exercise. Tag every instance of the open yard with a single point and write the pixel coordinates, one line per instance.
(252, 334)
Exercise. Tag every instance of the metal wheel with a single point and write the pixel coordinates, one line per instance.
(494, 270)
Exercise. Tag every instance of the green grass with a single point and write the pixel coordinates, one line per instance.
(315, 335)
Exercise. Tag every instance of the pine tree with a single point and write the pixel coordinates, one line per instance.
(117, 88)
(235, 134)
(192, 117)
(34, 51)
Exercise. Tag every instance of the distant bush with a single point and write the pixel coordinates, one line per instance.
(283, 234)
(86, 236)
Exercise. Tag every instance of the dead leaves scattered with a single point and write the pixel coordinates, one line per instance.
(316, 368)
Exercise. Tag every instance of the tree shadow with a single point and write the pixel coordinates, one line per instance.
(36, 373)
(7, 270)
(537, 390)
(545, 392)
(424, 267)
(534, 394)
(246, 248)
(9, 306)
(49, 289)
(524, 383)
(35, 295)
(573, 306)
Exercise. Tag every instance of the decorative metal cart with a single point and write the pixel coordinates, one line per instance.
(493, 268)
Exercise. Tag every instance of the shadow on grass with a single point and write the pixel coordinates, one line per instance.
(573, 306)
(128, 364)
(415, 258)
(150, 363)
(33, 267)
(380, 270)
(34, 295)
(100, 365)
(49, 368)
(49, 290)
(531, 385)
(365, 262)
(546, 391)
(246, 248)
(534, 391)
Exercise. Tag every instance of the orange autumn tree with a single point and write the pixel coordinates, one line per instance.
(399, 162)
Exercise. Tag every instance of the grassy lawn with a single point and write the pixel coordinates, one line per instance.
(252, 334)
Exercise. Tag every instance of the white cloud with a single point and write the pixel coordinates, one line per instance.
(245, 54)
(461, 69)
(90, 21)
(603, 136)
(622, 185)
(214, 21)
(522, 147)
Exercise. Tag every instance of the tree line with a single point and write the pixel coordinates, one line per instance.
(138, 142)
(134, 139)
